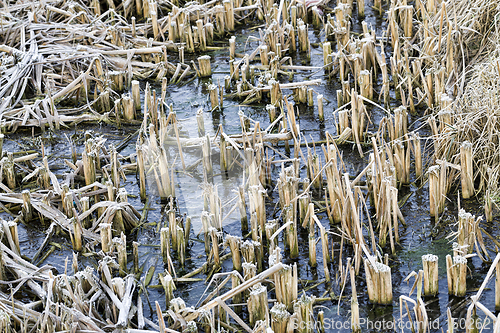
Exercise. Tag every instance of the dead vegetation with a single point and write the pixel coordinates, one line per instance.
(63, 63)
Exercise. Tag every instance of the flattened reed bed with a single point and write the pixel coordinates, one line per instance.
(64, 63)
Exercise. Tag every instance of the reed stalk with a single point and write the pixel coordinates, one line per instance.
(379, 283)
(257, 304)
(431, 277)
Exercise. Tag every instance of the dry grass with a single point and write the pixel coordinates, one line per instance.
(466, 31)
(477, 120)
